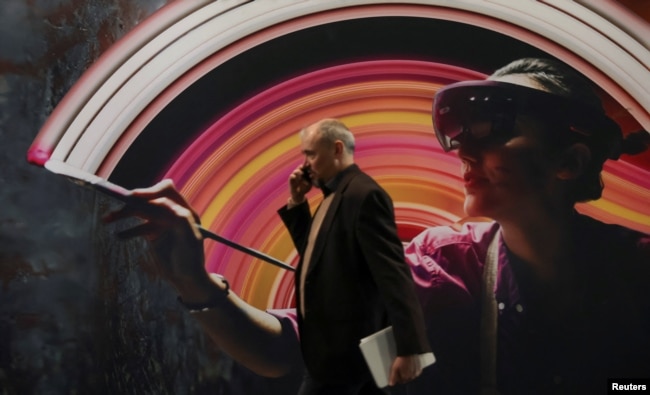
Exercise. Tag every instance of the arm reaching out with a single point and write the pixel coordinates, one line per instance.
(251, 336)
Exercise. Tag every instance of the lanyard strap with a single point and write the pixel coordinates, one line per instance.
(489, 320)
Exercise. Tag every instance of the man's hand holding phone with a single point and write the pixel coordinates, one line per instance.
(299, 184)
(306, 174)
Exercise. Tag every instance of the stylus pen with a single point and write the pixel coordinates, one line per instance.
(257, 254)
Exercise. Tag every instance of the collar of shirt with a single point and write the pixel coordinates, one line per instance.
(333, 184)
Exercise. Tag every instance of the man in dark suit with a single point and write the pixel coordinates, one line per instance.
(352, 279)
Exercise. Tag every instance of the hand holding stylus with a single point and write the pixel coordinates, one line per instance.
(171, 226)
(162, 196)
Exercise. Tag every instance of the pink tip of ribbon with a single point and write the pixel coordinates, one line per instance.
(38, 156)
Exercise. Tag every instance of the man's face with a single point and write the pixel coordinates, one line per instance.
(320, 156)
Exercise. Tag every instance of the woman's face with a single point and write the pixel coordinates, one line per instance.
(506, 181)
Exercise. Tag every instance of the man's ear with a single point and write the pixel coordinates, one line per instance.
(338, 147)
(573, 161)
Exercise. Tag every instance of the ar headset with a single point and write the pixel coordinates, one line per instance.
(487, 110)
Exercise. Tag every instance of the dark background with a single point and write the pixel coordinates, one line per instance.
(79, 311)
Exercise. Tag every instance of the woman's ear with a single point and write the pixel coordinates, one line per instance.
(573, 162)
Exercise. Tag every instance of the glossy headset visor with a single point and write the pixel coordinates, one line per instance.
(488, 109)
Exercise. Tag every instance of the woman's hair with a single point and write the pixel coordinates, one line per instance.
(557, 78)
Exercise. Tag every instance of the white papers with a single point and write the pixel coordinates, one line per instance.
(380, 351)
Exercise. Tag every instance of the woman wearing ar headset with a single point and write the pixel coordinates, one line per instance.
(563, 304)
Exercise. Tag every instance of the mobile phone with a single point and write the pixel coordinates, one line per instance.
(306, 174)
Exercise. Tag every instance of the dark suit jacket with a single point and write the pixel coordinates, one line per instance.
(357, 281)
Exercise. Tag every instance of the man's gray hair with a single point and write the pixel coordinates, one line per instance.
(333, 129)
